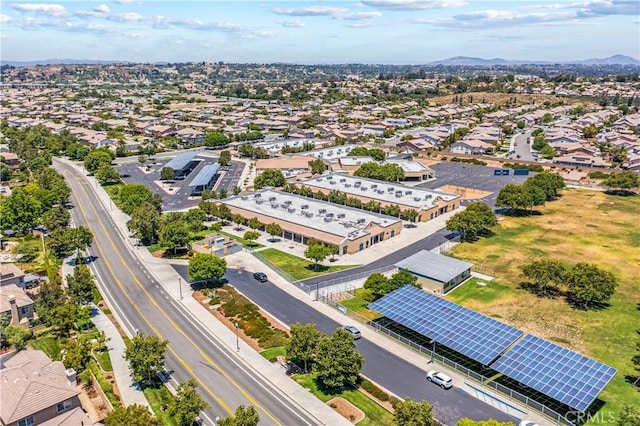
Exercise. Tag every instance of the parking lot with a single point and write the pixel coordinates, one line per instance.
(472, 176)
(180, 197)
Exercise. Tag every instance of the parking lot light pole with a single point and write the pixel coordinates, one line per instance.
(433, 349)
(237, 338)
(180, 286)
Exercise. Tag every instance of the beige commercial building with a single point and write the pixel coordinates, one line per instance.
(303, 218)
(427, 202)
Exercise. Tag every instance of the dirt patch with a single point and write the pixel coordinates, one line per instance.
(464, 192)
(92, 403)
(346, 409)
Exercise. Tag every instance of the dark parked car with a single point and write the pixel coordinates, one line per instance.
(261, 276)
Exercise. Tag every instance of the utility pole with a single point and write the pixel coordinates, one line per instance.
(180, 286)
(237, 338)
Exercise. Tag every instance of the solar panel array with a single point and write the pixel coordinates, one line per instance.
(564, 375)
(472, 334)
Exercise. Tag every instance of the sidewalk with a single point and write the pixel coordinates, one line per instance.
(130, 393)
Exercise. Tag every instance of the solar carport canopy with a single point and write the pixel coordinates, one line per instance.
(205, 175)
(472, 334)
(181, 161)
(564, 375)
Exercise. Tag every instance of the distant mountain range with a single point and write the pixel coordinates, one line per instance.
(456, 60)
(58, 62)
(469, 61)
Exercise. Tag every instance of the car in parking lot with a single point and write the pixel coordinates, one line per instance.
(261, 276)
(527, 423)
(354, 331)
(125, 175)
(440, 379)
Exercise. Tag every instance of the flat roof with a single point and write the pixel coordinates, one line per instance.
(179, 162)
(434, 265)
(394, 193)
(408, 165)
(320, 215)
(331, 153)
(356, 161)
(276, 146)
(206, 174)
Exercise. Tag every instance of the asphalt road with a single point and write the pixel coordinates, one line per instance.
(400, 377)
(140, 300)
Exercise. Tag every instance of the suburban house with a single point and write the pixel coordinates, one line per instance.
(191, 136)
(15, 303)
(436, 273)
(42, 392)
(11, 274)
(470, 146)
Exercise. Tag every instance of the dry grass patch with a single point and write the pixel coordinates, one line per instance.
(582, 226)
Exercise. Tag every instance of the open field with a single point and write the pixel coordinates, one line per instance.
(582, 226)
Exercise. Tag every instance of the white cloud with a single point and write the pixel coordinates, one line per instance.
(360, 16)
(5, 18)
(291, 23)
(123, 1)
(610, 7)
(126, 17)
(54, 10)
(498, 18)
(311, 11)
(413, 4)
(102, 8)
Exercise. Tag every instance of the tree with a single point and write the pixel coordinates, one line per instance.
(515, 197)
(411, 215)
(274, 230)
(195, 218)
(401, 278)
(17, 336)
(77, 151)
(589, 285)
(412, 413)
(20, 211)
(63, 318)
(251, 235)
(317, 252)
(76, 354)
(216, 139)
(187, 403)
(57, 217)
(317, 166)
(64, 242)
(302, 343)
(5, 320)
(547, 118)
(477, 219)
(254, 223)
(80, 285)
(131, 415)
(545, 275)
(377, 285)
(269, 177)
(96, 158)
(174, 232)
(167, 173)
(50, 296)
(337, 361)
(624, 180)
(243, 416)
(387, 172)
(391, 210)
(133, 196)
(225, 158)
(145, 224)
(550, 183)
(107, 175)
(146, 356)
(206, 267)
(53, 182)
(238, 219)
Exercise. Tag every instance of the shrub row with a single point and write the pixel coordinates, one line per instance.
(532, 167)
(468, 160)
(374, 390)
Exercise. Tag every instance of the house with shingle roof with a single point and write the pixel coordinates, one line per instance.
(41, 390)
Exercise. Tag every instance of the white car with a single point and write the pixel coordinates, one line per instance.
(440, 379)
(527, 423)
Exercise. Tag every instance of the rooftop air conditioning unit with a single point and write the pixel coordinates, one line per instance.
(291, 210)
(341, 215)
(327, 219)
(390, 189)
(244, 198)
(362, 220)
(363, 188)
(358, 183)
(329, 214)
(287, 202)
(257, 195)
(347, 185)
(272, 198)
(259, 201)
(333, 182)
(375, 185)
(274, 205)
(417, 198)
(343, 180)
(304, 206)
(319, 179)
(407, 192)
(322, 211)
(398, 194)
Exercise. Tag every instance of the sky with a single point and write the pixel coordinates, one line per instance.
(318, 32)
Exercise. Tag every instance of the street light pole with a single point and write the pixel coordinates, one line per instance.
(317, 290)
(433, 349)
(237, 338)
(180, 286)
